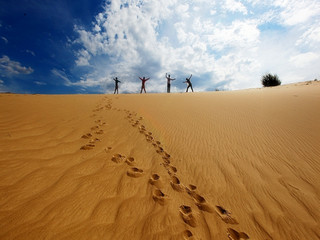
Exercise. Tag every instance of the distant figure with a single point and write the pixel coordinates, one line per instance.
(168, 82)
(116, 87)
(189, 83)
(143, 87)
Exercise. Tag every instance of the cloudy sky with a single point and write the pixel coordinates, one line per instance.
(67, 46)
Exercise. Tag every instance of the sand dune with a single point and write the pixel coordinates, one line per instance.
(219, 165)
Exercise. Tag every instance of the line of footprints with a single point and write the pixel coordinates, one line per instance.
(158, 196)
(97, 128)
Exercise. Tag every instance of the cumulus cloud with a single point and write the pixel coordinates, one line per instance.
(234, 6)
(149, 38)
(9, 67)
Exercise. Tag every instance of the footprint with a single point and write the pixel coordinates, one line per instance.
(155, 180)
(166, 161)
(135, 172)
(95, 128)
(87, 147)
(187, 216)
(226, 215)
(172, 170)
(159, 197)
(142, 129)
(175, 184)
(86, 136)
(117, 158)
(99, 132)
(107, 149)
(166, 155)
(187, 234)
(234, 235)
(200, 202)
(160, 150)
(158, 142)
(149, 138)
(94, 140)
(130, 161)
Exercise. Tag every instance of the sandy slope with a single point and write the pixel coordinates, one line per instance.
(219, 165)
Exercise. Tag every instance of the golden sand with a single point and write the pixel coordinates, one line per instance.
(217, 165)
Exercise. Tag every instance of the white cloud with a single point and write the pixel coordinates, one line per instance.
(62, 75)
(234, 6)
(149, 38)
(239, 34)
(311, 37)
(297, 12)
(84, 82)
(40, 83)
(83, 58)
(304, 59)
(9, 67)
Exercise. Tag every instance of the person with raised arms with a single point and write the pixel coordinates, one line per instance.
(143, 86)
(189, 83)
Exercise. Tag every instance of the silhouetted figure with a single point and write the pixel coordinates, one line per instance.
(189, 83)
(168, 82)
(116, 87)
(143, 87)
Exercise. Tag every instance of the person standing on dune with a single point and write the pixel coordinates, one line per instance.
(116, 87)
(143, 87)
(168, 82)
(189, 83)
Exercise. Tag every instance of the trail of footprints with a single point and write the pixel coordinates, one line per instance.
(97, 129)
(186, 212)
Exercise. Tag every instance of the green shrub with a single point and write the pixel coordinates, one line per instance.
(269, 80)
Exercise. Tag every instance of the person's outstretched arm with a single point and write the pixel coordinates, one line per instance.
(190, 77)
(147, 79)
(140, 78)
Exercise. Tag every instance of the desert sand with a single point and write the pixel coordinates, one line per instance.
(216, 165)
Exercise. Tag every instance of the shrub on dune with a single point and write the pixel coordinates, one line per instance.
(269, 80)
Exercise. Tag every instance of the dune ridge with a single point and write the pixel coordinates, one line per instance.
(220, 165)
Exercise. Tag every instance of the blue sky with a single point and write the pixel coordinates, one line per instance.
(66, 46)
